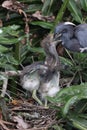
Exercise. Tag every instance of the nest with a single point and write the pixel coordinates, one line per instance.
(27, 116)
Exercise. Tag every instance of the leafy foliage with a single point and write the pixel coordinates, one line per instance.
(72, 105)
(77, 9)
(21, 31)
(8, 38)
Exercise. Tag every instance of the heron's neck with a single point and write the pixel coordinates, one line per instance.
(53, 58)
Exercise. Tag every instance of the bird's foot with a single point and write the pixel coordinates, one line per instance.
(83, 49)
(46, 107)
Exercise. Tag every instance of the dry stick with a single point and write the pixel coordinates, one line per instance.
(4, 126)
(7, 123)
(11, 73)
(72, 79)
(5, 80)
(4, 87)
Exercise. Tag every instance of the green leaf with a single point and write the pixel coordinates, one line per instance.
(66, 61)
(9, 67)
(74, 90)
(8, 41)
(71, 101)
(60, 13)
(11, 30)
(80, 56)
(45, 25)
(33, 7)
(35, 49)
(75, 11)
(3, 49)
(11, 60)
(57, 127)
(47, 6)
(68, 96)
(79, 123)
(84, 4)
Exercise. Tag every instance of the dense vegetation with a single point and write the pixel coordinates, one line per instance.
(23, 25)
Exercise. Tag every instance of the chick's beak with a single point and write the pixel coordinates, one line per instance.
(57, 39)
(57, 36)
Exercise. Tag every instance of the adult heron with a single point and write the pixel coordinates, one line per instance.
(72, 37)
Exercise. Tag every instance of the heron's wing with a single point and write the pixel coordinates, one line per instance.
(81, 34)
(73, 45)
(33, 67)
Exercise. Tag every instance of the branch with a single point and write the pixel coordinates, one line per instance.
(6, 75)
(11, 73)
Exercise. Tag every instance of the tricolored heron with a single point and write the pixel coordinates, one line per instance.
(72, 37)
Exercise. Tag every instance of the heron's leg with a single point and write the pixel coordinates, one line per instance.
(46, 106)
(36, 98)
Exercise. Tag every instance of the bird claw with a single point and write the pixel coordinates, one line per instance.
(46, 106)
(83, 49)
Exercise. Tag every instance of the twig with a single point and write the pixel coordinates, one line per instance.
(68, 85)
(4, 126)
(6, 74)
(4, 87)
(11, 73)
(7, 123)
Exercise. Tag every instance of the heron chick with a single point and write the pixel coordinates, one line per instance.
(50, 81)
(30, 78)
(43, 76)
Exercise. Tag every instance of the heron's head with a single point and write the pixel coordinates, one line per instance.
(63, 31)
(48, 43)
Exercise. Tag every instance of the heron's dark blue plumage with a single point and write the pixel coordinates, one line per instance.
(81, 34)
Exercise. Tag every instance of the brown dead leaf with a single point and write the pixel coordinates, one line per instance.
(16, 102)
(39, 16)
(20, 11)
(60, 50)
(12, 5)
(4, 127)
(7, 4)
(1, 23)
(21, 124)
